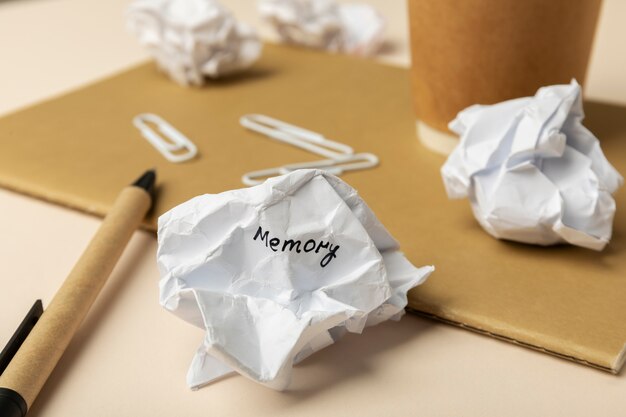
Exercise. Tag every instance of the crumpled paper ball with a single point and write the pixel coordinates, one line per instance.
(193, 39)
(278, 271)
(323, 24)
(533, 172)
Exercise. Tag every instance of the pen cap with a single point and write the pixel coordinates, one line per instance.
(11, 403)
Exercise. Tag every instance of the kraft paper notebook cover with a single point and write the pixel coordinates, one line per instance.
(77, 150)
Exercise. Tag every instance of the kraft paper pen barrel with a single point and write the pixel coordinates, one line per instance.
(35, 360)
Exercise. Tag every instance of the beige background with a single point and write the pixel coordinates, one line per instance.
(411, 367)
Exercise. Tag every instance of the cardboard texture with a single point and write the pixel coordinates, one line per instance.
(76, 150)
(487, 51)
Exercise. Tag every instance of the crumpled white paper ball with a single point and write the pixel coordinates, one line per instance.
(323, 24)
(278, 271)
(193, 39)
(533, 172)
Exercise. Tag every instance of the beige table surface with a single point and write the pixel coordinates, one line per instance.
(130, 357)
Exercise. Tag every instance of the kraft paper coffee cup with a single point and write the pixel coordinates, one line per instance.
(466, 52)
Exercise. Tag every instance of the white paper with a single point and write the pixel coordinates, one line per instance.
(193, 39)
(230, 264)
(351, 28)
(533, 172)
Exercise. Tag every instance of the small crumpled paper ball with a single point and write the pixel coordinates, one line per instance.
(193, 39)
(278, 271)
(323, 24)
(533, 172)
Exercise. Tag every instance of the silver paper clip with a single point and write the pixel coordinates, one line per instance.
(175, 148)
(296, 136)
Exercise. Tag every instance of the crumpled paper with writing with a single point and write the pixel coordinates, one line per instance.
(193, 39)
(278, 271)
(533, 172)
(352, 28)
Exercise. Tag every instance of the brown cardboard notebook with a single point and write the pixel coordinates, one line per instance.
(79, 149)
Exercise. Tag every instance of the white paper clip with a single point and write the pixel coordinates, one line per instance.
(296, 136)
(333, 166)
(341, 157)
(172, 144)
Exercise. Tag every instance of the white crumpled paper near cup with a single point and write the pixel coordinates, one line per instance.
(532, 172)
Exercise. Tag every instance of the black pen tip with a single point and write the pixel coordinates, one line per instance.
(147, 181)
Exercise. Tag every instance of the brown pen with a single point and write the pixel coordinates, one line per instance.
(36, 358)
